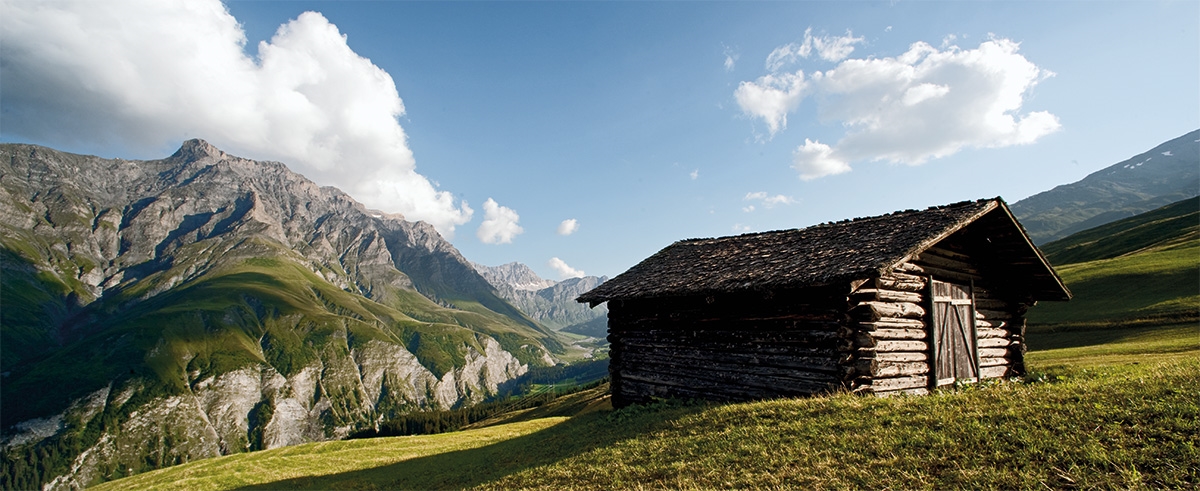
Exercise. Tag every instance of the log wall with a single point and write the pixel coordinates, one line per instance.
(728, 347)
(891, 324)
(872, 336)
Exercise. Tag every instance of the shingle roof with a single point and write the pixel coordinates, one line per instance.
(818, 255)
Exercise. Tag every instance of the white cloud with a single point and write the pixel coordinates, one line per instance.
(695, 174)
(564, 271)
(771, 97)
(731, 58)
(741, 229)
(748, 208)
(816, 159)
(568, 226)
(767, 201)
(924, 104)
(828, 48)
(148, 74)
(499, 224)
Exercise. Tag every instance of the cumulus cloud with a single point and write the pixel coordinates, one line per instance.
(694, 174)
(568, 226)
(772, 97)
(499, 224)
(924, 104)
(815, 159)
(564, 271)
(148, 74)
(767, 201)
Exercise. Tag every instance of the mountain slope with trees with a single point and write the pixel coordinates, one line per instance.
(157, 312)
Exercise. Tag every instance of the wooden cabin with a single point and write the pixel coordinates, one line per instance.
(900, 303)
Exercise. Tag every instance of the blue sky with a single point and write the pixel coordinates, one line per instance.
(645, 123)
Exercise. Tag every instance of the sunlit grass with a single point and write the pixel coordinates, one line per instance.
(1120, 414)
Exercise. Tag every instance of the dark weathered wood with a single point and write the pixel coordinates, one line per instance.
(899, 334)
(890, 324)
(900, 356)
(883, 310)
(888, 295)
(887, 345)
(945, 263)
(986, 332)
(996, 343)
(895, 369)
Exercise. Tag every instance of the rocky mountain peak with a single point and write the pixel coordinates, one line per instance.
(513, 275)
(196, 149)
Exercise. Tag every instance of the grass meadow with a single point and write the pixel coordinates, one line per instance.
(1115, 412)
(1112, 400)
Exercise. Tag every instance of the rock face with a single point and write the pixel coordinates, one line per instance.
(1163, 175)
(162, 311)
(549, 302)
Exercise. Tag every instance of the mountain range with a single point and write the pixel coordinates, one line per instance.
(1162, 175)
(162, 311)
(552, 303)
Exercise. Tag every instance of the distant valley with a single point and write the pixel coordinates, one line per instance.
(552, 303)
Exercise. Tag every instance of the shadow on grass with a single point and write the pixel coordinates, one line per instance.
(1048, 337)
(473, 467)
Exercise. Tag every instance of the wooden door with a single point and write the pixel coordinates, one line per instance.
(955, 351)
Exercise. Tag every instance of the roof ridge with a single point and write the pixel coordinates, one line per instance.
(696, 240)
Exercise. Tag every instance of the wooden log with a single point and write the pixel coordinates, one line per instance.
(947, 253)
(898, 383)
(887, 345)
(993, 352)
(884, 295)
(902, 357)
(739, 361)
(729, 381)
(901, 282)
(994, 361)
(994, 324)
(890, 324)
(994, 343)
(941, 273)
(859, 368)
(899, 334)
(896, 369)
(985, 332)
(865, 340)
(946, 263)
(883, 310)
(994, 371)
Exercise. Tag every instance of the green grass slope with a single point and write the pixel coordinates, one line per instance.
(1127, 421)
(1141, 270)
(1172, 225)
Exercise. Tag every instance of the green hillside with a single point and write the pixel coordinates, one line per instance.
(1120, 415)
(1172, 225)
(1141, 270)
